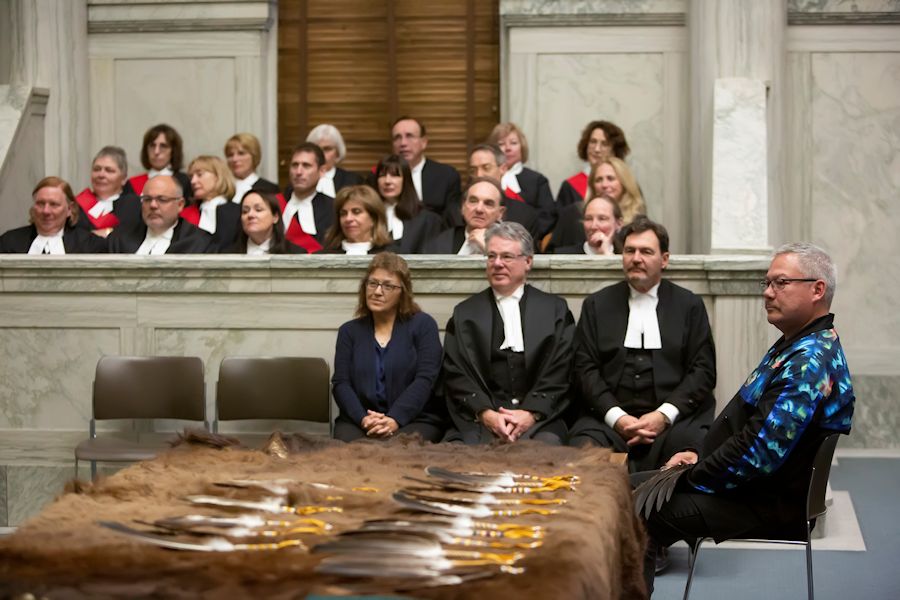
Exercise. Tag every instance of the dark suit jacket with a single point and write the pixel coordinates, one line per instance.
(421, 229)
(323, 213)
(525, 215)
(344, 178)
(228, 225)
(186, 239)
(75, 241)
(449, 241)
(411, 366)
(441, 191)
(569, 229)
(536, 194)
(684, 370)
(547, 328)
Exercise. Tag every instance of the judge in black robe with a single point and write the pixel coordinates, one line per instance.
(186, 239)
(682, 373)
(75, 241)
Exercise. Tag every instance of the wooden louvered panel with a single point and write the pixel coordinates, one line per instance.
(359, 64)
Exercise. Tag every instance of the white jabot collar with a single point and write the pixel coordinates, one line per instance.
(587, 169)
(154, 245)
(303, 208)
(48, 244)
(356, 248)
(510, 181)
(417, 177)
(643, 324)
(326, 183)
(208, 213)
(103, 207)
(394, 223)
(258, 250)
(242, 186)
(167, 170)
(512, 319)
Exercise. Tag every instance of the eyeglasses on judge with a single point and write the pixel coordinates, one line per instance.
(505, 258)
(779, 283)
(159, 199)
(374, 284)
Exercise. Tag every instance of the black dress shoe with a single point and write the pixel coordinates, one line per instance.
(662, 559)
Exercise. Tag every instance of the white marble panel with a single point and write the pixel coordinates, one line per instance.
(856, 177)
(740, 195)
(47, 375)
(843, 6)
(180, 92)
(590, 7)
(627, 89)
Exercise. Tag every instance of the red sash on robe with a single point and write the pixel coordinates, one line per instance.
(191, 214)
(580, 183)
(86, 200)
(295, 233)
(138, 182)
(512, 195)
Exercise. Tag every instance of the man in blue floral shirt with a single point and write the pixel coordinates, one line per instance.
(750, 478)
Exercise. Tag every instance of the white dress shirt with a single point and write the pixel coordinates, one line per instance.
(510, 181)
(469, 248)
(208, 213)
(48, 244)
(303, 208)
(242, 186)
(326, 183)
(103, 206)
(417, 178)
(512, 320)
(154, 245)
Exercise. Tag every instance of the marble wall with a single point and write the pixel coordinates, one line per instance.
(207, 69)
(561, 78)
(59, 315)
(23, 114)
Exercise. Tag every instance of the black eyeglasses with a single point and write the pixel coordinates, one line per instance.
(374, 284)
(159, 199)
(778, 284)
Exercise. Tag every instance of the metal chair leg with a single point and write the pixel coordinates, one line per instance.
(809, 569)
(692, 562)
(93, 470)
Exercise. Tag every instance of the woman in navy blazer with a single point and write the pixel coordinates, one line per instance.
(387, 360)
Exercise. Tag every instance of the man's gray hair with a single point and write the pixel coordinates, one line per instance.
(814, 262)
(494, 149)
(115, 153)
(328, 131)
(509, 230)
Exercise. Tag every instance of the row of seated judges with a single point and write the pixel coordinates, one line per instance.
(412, 204)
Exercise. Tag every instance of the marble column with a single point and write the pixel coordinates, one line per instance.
(734, 39)
(47, 47)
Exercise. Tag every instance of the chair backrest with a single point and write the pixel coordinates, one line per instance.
(818, 482)
(295, 388)
(149, 387)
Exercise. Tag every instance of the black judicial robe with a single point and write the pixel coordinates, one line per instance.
(75, 241)
(441, 191)
(449, 241)
(126, 211)
(264, 185)
(572, 190)
(344, 178)
(186, 239)
(548, 329)
(417, 232)
(535, 192)
(228, 223)
(526, 216)
(323, 215)
(684, 369)
(569, 230)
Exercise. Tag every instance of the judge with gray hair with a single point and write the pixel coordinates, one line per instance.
(508, 351)
(329, 139)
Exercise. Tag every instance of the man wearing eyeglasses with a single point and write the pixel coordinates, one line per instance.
(750, 477)
(161, 230)
(507, 351)
(645, 358)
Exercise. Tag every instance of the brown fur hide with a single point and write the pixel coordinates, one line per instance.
(593, 548)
